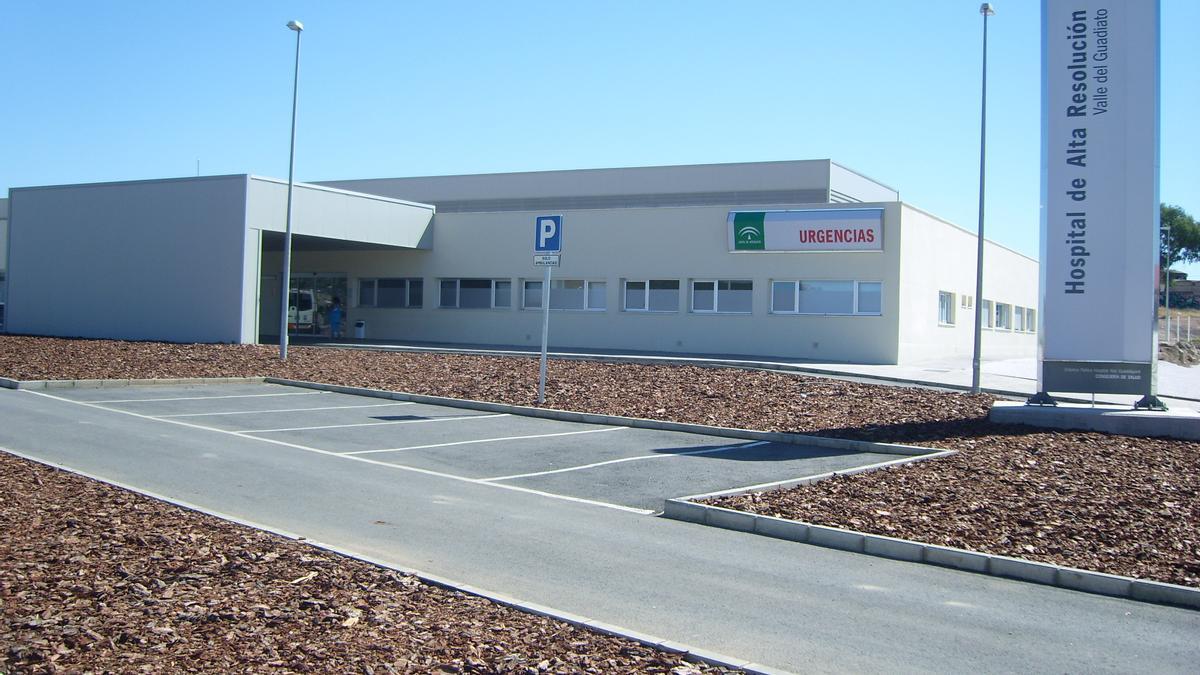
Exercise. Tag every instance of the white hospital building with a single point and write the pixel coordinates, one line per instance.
(788, 260)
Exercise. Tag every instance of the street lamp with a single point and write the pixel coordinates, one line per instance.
(1167, 292)
(286, 278)
(986, 10)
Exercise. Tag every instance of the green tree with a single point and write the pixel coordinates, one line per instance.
(1183, 244)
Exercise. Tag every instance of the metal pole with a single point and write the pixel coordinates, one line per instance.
(285, 279)
(545, 336)
(986, 10)
(1167, 293)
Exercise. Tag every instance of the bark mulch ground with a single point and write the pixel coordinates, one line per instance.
(1108, 503)
(97, 579)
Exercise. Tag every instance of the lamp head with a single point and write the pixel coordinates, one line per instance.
(986, 9)
(296, 26)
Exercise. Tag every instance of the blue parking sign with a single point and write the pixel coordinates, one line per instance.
(547, 234)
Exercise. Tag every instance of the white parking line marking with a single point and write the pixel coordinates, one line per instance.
(205, 398)
(484, 440)
(626, 459)
(375, 424)
(365, 460)
(254, 412)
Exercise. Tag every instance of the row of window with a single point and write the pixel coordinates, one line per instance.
(826, 297)
(390, 292)
(997, 315)
(476, 293)
(713, 296)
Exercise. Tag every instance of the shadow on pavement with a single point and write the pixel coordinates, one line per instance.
(751, 451)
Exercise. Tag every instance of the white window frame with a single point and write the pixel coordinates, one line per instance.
(587, 294)
(1007, 315)
(949, 318)
(795, 284)
(855, 310)
(374, 281)
(1030, 320)
(458, 293)
(989, 313)
(645, 293)
(858, 311)
(717, 296)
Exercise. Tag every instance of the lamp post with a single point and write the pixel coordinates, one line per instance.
(1167, 292)
(986, 10)
(286, 277)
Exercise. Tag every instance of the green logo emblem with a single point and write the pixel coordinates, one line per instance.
(748, 232)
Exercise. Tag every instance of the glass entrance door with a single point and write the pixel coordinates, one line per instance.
(310, 298)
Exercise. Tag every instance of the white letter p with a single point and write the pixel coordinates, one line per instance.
(547, 228)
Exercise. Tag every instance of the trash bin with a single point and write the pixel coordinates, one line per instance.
(360, 329)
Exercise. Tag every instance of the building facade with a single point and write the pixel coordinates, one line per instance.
(802, 260)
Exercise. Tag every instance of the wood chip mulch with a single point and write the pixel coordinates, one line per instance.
(97, 579)
(1114, 504)
(1105, 503)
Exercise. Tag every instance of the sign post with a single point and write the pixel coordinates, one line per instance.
(1099, 253)
(547, 245)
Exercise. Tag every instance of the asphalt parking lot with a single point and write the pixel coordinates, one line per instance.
(620, 467)
(578, 540)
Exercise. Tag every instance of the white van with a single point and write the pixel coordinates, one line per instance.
(301, 311)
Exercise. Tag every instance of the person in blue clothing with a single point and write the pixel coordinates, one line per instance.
(335, 318)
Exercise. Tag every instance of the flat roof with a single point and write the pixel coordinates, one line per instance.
(759, 177)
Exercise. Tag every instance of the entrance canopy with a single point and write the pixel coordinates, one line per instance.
(343, 220)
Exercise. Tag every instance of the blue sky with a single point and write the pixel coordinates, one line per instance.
(98, 91)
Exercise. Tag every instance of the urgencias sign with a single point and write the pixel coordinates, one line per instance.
(806, 230)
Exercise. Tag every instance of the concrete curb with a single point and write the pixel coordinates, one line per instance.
(1104, 418)
(6, 383)
(689, 652)
(942, 556)
(616, 420)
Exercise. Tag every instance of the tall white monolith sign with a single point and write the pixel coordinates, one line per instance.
(1099, 274)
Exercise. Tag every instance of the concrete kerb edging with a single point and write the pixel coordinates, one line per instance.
(689, 652)
(6, 383)
(617, 420)
(942, 556)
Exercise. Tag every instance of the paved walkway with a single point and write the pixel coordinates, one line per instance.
(779, 603)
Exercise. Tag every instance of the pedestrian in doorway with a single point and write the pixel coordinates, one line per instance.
(335, 318)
